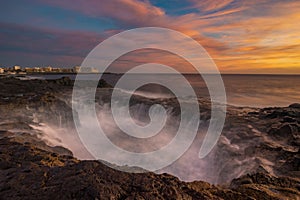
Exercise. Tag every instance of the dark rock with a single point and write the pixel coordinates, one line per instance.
(285, 131)
(44, 175)
(15, 125)
(66, 81)
(265, 179)
(253, 113)
(280, 113)
(288, 119)
(295, 105)
(103, 84)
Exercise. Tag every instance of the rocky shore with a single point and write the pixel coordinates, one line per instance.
(257, 156)
(31, 171)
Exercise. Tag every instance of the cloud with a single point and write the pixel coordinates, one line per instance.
(262, 36)
(207, 6)
(22, 41)
(143, 56)
(127, 12)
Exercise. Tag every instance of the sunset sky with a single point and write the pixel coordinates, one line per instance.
(242, 36)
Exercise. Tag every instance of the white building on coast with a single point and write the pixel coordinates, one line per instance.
(16, 67)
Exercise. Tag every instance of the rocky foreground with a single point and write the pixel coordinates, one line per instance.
(257, 156)
(29, 169)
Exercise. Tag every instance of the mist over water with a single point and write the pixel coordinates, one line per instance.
(242, 90)
(63, 136)
(189, 167)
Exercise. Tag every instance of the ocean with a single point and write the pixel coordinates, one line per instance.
(241, 90)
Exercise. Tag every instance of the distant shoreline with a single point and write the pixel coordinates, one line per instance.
(112, 73)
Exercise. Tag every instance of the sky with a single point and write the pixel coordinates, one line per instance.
(241, 36)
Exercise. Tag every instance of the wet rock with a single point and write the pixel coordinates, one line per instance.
(285, 131)
(288, 119)
(15, 125)
(295, 105)
(282, 113)
(265, 186)
(265, 179)
(103, 84)
(28, 172)
(66, 81)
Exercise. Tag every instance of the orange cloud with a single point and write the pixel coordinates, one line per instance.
(206, 6)
(262, 37)
(241, 36)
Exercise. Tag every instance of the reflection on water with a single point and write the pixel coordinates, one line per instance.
(262, 90)
(242, 90)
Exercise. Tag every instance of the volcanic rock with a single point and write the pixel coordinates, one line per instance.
(28, 172)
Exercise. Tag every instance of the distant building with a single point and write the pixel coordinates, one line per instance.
(29, 70)
(56, 70)
(66, 70)
(76, 69)
(37, 69)
(1, 70)
(47, 69)
(16, 68)
(88, 70)
(94, 70)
